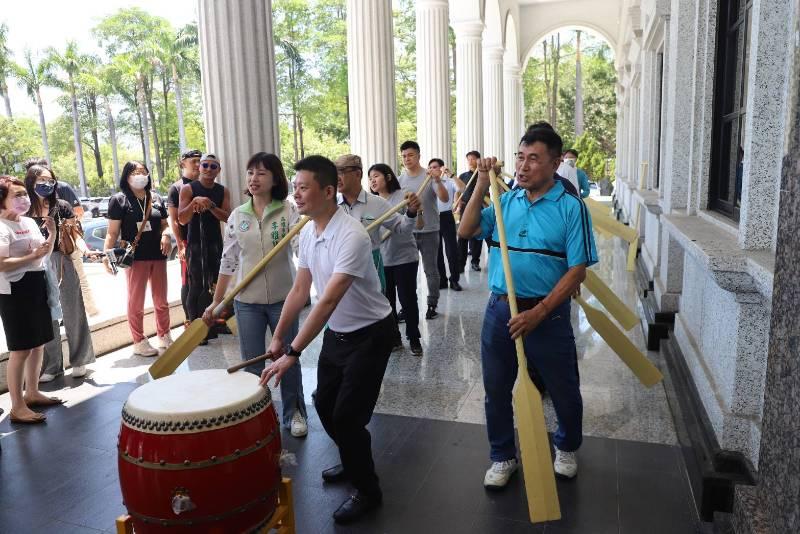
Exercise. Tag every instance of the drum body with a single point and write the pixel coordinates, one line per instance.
(199, 452)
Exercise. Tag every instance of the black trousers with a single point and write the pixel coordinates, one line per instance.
(349, 376)
(474, 245)
(448, 245)
(401, 284)
(202, 265)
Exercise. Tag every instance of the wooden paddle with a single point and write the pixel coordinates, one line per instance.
(394, 209)
(647, 373)
(537, 464)
(198, 329)
(610, 301)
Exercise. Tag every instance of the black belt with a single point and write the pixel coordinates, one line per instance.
(355, 334)
(523, 304)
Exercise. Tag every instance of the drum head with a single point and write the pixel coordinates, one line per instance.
(195, 402)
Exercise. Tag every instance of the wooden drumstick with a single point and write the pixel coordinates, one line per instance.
(257, 359)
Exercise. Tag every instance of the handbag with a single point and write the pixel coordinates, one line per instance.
(69, 232)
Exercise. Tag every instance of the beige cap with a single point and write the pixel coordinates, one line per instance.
(348, 160)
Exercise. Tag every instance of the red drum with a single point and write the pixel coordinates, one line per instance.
(199, 452)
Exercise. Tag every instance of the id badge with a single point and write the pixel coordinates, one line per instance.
(147, 226)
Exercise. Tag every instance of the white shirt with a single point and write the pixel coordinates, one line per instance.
(18, 239)
(368, 207)
(570, 173)
(450, 185)
(344, 247)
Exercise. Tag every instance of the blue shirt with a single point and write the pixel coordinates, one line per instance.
(583, 181)
(545, 239)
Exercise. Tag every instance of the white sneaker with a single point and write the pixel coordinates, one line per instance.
(144, 348)
(164, 341)
(497, 476)
(78, 371)
(299, 425)
(566, 464)
(46, 377)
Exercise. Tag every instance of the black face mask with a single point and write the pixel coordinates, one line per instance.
(44, 190)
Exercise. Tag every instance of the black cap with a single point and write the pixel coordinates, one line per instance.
(191, 154)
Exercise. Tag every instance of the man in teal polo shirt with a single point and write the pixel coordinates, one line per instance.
(550, 245)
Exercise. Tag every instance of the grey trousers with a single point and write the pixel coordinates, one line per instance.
(79, 337)
(428, 246)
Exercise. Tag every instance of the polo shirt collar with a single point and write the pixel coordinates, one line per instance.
(333, 225)
(362, 198)
(273, 206)
(555, 193)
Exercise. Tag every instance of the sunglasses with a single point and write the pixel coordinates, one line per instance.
(212, 166)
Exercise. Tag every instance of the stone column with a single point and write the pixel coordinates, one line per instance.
(370, 82)
(773, 506)
(237, 68)
(469, 90)
(493, 101)
(433, 83)
(677, 136)
(512, 112)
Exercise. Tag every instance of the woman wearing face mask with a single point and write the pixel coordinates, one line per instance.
(252, 230)
(41, 185)
(400, 258)
(126, 212)
(23, 299)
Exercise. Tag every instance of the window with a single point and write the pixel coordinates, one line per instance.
(730, 106)
(660, 107)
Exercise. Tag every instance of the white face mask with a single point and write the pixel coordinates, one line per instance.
(570, 162)
(139, 181)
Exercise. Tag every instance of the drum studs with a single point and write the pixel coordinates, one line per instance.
(187, 463)
(141, 459)
(162, 462)
(237, 452)
(213, 458)
(258, 443)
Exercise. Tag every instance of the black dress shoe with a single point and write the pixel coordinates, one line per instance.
(401, 317)
(416, 347)
(476, 266)
(356, 507)
(455, 286)
(334, 474)
(431, 313)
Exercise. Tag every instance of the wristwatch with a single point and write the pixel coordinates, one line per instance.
(291, 352)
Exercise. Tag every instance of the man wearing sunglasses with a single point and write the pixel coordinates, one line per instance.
(204, 204)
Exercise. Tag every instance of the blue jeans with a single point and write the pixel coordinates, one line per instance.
(253, 320)
(550, 352)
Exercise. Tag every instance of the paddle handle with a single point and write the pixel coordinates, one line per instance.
(457, 199)
(260, 266)
(379, 221)
(257, 359)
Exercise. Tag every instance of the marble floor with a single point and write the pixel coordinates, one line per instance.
(443, 385)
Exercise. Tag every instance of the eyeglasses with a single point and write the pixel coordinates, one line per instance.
(343, 170)
(48, 182)
(212, 166)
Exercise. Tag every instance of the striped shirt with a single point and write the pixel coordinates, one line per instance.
(545, 239)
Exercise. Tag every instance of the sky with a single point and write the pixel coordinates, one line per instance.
(38, 24)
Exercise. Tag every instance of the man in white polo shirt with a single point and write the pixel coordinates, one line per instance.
(335, 254)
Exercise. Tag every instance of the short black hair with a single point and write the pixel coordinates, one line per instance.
(541, 124)
(41, 162)
(322, 168)
(474, 153)
(271, 162)
(126, 172)
(572, 151)
(548, 136)
(410, 144)
(392, 183)
(437, 160)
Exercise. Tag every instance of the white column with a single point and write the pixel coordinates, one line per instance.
(512, 112)
(370, 81)
(493, 101)
(469, 90)
(433, 84)
(237, 67)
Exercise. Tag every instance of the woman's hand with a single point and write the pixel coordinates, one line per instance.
(208, 314)
(49, 224)
(166, 244)
(107, 265)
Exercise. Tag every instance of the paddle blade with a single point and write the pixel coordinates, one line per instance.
(610, 301)
(233, 325)
(647, 373)
(177, 352)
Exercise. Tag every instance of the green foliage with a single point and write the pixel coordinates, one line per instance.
(19, 139)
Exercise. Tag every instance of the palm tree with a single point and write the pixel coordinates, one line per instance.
(106, 90)
(6, 67)
(178, 53)
(89, 86)
(70, 62)
(33, 76)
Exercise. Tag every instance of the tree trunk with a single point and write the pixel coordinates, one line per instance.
(547, 83)
(95, 140)
(179, 109)
(76, 133)
(145, 125)
(148, 103)
(294, 110)
(165, 157)
(112, 135)
(578, 89)
(4, 91)
(300, 130)
(43, 128)
(556, 53)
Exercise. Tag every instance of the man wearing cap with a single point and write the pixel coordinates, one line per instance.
(203, 204)
(366, 207)
(190, 169)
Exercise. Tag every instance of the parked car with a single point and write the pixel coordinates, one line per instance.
(94, 233)
(90, 207)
